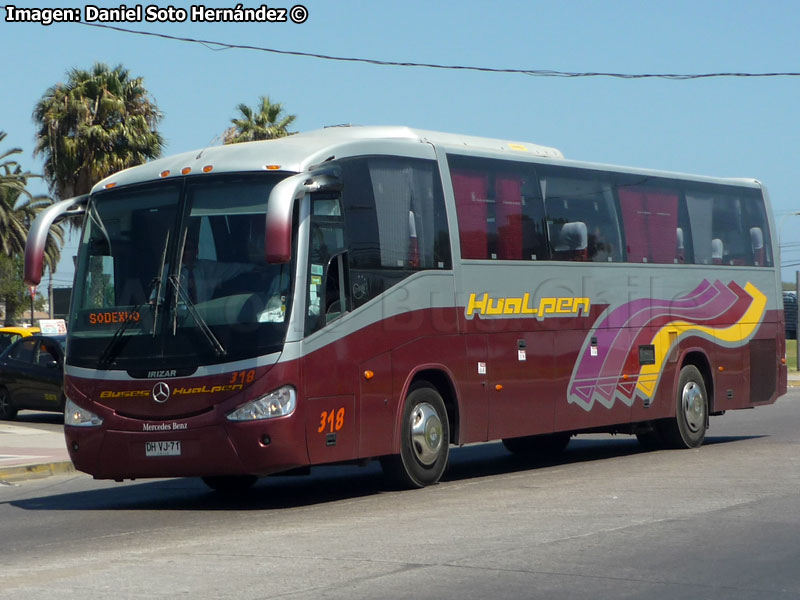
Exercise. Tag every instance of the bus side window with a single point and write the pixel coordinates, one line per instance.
(499, 209)
(755, 220)
(336, 286)
(395, 221)
(327, 269)
(651, 221)
(471, 191)
(729, 228)
(581, 215)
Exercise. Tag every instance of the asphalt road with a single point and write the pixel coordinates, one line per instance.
(605, 521)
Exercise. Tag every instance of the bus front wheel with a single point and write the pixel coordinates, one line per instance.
(425, 440)
(688, 428)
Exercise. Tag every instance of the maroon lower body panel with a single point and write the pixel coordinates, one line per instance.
(255, 448)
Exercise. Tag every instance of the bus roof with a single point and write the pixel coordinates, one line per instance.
(298, 152)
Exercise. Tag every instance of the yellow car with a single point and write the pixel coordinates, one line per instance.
(9, 335)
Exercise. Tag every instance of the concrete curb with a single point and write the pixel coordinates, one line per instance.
(23, 472)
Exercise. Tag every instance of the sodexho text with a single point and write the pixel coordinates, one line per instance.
(154, 13)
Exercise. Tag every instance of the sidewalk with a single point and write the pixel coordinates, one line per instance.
(27, 453)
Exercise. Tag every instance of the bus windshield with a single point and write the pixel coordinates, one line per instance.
(176, 270)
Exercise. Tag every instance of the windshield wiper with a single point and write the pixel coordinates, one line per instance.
(110, 352)
(158, 305)
(215, 344)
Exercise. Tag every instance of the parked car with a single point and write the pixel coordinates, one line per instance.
(790, 314)
(31, 375)
(9, 335)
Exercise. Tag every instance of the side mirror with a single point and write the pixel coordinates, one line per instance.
(278, 245)
(40, 228)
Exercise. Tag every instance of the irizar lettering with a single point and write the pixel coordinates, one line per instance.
(159, 374)
(486, 306)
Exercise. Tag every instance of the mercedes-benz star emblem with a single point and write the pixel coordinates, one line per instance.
(161, 392)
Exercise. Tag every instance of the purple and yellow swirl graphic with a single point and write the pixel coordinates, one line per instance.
(609, 369)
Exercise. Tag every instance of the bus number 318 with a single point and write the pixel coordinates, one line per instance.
(333, 420)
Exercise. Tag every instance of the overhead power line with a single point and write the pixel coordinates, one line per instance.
(214, 45)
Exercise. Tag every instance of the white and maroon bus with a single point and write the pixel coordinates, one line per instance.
(383, 292)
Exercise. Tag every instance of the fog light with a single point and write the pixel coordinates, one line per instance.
(74, 446)
(265, 440)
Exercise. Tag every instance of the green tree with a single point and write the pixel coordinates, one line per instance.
(97, 123)
(14, 292)
(13, 183)
(18, 208)
(265, 122)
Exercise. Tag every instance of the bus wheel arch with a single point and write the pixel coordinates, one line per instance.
(687, 429)
(425, 432)
(443, 383)
(700, 361)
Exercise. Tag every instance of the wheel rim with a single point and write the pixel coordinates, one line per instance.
(693, 407)
(3, 403)
(426, 433)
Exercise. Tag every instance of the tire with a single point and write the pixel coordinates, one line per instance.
(538, 446)
(424, 442)
(688, 428)
(230, 484)
(7, 410)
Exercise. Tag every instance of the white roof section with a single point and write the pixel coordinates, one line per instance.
(298, 152)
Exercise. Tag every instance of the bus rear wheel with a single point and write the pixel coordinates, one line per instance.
(424, 443)
(230, 484)
(688, 428)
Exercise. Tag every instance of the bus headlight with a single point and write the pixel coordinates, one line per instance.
(75, 416)
(279, 403)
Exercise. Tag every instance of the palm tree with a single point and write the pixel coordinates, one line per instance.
(10, 176)
(18, 208)
(98, 122)
(264, 123)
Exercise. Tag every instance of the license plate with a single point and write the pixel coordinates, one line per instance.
(162, 448)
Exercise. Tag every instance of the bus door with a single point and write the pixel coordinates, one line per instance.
(329, 392)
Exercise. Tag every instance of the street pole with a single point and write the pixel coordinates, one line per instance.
(33, 295)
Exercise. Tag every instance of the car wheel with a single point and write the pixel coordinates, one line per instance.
(688, 428)
(7, 410)
(424, 443)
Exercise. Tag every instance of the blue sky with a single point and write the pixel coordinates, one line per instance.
(740, 127)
